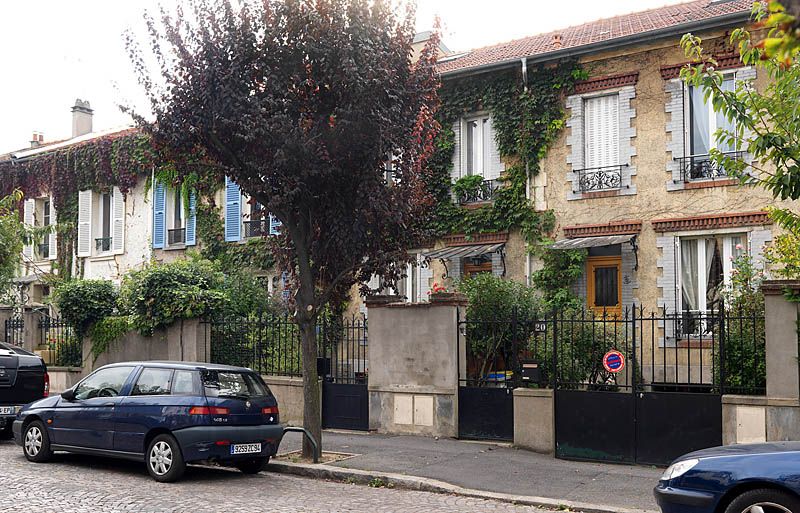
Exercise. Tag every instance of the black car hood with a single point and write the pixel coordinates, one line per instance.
(743, 450)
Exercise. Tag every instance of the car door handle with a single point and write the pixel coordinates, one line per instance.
(109, 404)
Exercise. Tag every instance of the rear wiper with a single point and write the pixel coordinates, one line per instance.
(234, 396)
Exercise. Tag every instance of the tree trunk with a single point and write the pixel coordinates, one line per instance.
(312, 420)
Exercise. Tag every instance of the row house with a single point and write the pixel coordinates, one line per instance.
(629, 179)
(117, 232)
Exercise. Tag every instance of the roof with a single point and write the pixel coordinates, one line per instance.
(662, 21)
(464, 251)
(592, 242)
(179, 365)
(47, 147)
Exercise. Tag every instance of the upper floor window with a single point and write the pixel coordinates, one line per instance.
(601, 169)
(40, 213)
(244, 216)
(101, 222)
(174, 217)
(702, 125)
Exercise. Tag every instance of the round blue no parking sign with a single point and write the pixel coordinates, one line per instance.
(614, 361)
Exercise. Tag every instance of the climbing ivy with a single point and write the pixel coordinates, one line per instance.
(526, 122)
(252, 254)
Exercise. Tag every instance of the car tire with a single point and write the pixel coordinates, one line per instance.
(252, 465)
(164, 459)
(766, 497)
(36, 442)
(5, 431)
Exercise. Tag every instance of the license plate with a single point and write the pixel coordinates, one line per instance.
(8, 410)
(245, 448)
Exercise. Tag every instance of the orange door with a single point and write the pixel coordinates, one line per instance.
(604, 285)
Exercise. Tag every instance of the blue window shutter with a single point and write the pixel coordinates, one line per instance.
(159, 208)
(233, 211)
(191, 221)
(274, 225)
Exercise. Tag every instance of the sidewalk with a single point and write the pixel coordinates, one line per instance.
(493, 468)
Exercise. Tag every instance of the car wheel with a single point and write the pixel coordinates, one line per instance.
(253, 465)
(164, 459)
(36, 442)
(5, 431)
(764, 501)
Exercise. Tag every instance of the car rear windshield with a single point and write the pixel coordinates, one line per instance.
(242, 385)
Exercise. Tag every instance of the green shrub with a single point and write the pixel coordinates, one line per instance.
(160, 294)
(490, 332)
(83, 303)
(560, 269)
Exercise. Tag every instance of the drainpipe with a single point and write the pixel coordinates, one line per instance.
(524, 62)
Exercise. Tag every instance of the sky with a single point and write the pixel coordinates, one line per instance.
(54, 51)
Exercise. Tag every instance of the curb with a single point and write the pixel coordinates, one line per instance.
(423, 484)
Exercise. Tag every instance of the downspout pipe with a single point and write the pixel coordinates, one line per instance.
(524, 62)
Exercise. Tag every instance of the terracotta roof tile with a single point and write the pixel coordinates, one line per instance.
(597, 31)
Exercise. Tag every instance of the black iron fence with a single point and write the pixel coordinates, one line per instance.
(270, 344)
(63, 342)
(702, 167)
(600, 178)
(485, 191)
(14, 329)
(721, 351)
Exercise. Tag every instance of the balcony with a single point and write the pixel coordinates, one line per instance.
(103, 244)
(176, 236)
(604, 178)
(485, 191)
(702, 167)
(257, 228)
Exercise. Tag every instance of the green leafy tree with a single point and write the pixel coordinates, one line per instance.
(12, 233)
(83, 303)
(765, 123)
(301, 102)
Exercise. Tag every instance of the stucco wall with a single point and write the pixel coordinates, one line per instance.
(138, 227)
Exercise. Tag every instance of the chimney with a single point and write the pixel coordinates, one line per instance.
(557, 40)
(36, 139)
(81, 118)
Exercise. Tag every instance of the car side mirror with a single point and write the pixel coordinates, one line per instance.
(68, 394)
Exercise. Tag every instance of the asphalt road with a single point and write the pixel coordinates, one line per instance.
(74, 483)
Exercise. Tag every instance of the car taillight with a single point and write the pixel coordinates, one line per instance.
(46, 385)
(270, 410)
(208, 410)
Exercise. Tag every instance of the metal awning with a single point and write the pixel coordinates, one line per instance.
(592, 242)
(465, 251)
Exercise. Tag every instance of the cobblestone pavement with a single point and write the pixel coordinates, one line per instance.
(73, 483)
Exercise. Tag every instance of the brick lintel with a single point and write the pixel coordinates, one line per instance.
(726, 61)
(627, 227)
(606, 82)
(476, 238)
(709, 222)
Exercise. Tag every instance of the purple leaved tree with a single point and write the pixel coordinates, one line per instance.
(302, 103)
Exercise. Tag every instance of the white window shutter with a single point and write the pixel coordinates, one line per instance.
(84, 223)
(601, 116)
(455, 172)
(28, 209)
(496, 166)
(374, 282)
(53, 237)
(117, 221)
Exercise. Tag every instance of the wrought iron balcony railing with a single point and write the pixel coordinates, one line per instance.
(256, 228)
(702, 167)
(484, 192)
(103, 244)
(176, 236)
(602, 178)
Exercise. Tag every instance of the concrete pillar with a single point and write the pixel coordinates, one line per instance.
(414, 366)
(783, 375)
(32, 337)
(534, 420)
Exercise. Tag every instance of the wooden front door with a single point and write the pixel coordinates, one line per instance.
(477, 265)
(604, 285)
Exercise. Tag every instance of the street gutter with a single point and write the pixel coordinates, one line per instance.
(405, 482)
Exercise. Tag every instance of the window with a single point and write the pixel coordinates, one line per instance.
(255, 224)
(232, 384)
(603, 284)
(44, 217)
(601, 118)
(701, 129)
(477, 265)
(705, 269)
(101, 222)
(184, 383)
(176, 218)
(103, 383)
(153, 382)
(477, 150)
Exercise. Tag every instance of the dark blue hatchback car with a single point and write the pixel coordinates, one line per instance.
(748, 478)
(166, 414)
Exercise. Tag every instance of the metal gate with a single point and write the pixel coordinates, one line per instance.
(14, 329)
(665, 400)
(342, 365)
(499, 356)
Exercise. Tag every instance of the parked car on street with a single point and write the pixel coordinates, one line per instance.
(165, 414)
(748, 478)
(23, 379)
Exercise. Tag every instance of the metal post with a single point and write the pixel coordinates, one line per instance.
(555, 350)
(721, 347)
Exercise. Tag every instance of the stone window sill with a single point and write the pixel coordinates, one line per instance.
(707, 184)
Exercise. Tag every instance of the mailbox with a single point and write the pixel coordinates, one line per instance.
(532, 372)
